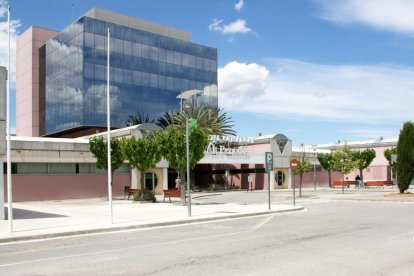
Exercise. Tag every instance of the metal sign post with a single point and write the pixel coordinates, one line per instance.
(293, 167)
(269, 169)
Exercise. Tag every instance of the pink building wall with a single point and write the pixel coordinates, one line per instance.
(258, 148)
(28, 80)
(379, 170)
(58, 187)
(322, 179)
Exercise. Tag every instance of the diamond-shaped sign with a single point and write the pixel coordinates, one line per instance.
(281, 141)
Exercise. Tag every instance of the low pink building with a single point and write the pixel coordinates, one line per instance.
(379, 170)
(62, 168)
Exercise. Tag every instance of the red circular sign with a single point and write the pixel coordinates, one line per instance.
(293, 164)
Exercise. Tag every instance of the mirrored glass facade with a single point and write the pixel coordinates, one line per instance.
(147, 73)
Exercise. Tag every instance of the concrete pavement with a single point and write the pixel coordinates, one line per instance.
(45, 219)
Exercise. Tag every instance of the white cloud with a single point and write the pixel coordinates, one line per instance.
(3, 9)
(238, 26)
(4, 46)
(372, 94)
(239, 5)
(240, 82)
(395, 15)
(366, 133)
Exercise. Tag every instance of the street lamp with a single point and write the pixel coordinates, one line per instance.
(8, 143)
(314, 167)
(185, 95)
(108, 121)
(187, 145)
(344, 159)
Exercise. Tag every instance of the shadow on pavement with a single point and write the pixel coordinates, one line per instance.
(27, 214)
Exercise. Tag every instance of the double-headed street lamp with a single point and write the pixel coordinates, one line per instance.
(187, 150)
(186, 95)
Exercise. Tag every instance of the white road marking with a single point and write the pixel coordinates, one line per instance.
(256, 226)
(139, 229)
(401, 235)
(261, 223)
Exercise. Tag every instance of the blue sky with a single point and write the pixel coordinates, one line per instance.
(317, 71)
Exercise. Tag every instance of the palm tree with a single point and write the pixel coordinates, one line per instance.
(225, 123)
(138, 119)
(212, 120)
(166, 119)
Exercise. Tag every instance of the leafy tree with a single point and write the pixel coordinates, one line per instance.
(326, 161)
(344, 162)
(143, 154)
(405, 157)
(304, 166)
(388, 155)
(363, 160)
(99, 148)
(173, 148)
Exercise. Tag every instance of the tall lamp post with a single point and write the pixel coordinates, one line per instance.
(185, 95)
(9, 180)
(108, 120)
(187, 152)
(314, 167)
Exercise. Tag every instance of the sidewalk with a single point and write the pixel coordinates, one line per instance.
(45, 219)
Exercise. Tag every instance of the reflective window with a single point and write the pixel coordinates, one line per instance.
(100, 42)
(99, 27)
(147, 72)
(127, 47)
(136, 49)
(119, 46)
(88, 23)
(145, 79)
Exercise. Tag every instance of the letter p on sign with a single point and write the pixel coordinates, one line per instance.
(269, 161)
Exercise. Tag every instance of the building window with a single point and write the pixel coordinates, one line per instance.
(150, 181)
(58, 168)
(280, 178)
(31, 168)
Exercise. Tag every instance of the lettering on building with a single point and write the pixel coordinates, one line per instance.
(228, 145)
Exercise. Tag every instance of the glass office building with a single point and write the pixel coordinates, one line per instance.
(150, 65)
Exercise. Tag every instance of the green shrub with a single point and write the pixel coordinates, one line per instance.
(405, 157)
(148, 196)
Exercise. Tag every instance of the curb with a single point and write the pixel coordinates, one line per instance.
(143, 226)
(402, 200)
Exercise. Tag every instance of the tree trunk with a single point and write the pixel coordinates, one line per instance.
(362, 177)
(329, 175)
(183, 186)
(300, 186)
(142, 184)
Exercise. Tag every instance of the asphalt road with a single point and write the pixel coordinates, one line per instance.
(330, 238)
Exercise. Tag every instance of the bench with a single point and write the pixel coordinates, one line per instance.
(377, 184)
(171, 193)
(130, 192)
(338, 183)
